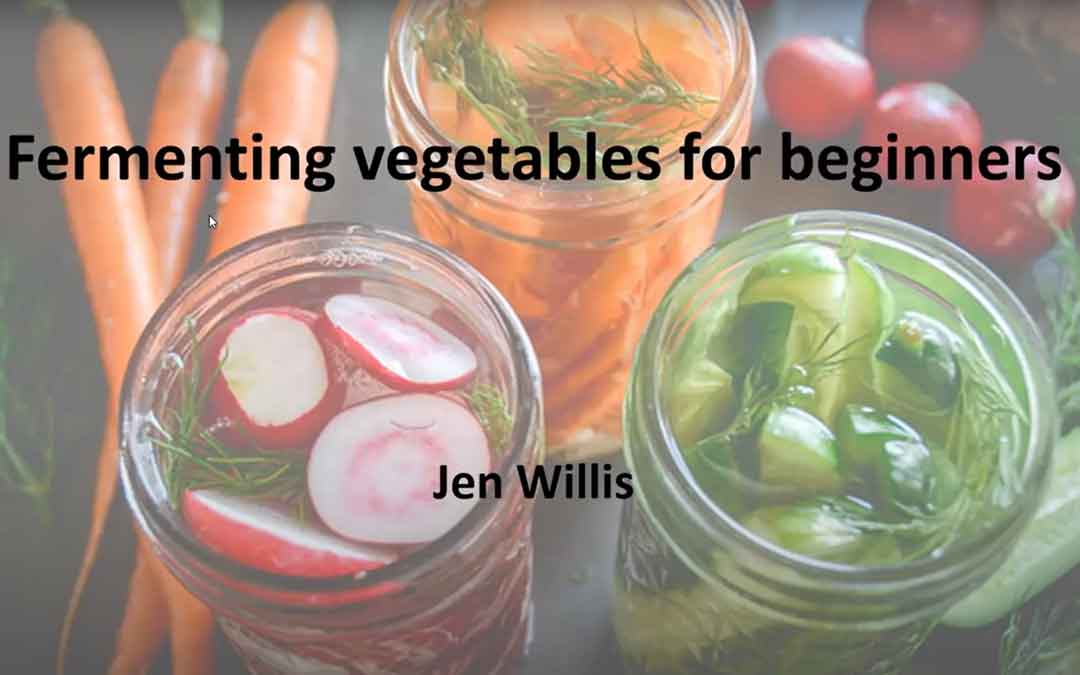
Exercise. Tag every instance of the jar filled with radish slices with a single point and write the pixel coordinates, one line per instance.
(290, 419)
(584, 260)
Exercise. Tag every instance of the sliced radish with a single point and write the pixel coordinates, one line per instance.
(404, 349)
(276, 381)
(269, 538)
(375, 467)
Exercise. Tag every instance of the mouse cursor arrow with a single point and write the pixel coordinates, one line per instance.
(211, 222)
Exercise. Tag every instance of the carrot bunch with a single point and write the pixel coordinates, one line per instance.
(584, 278)
(135, 241)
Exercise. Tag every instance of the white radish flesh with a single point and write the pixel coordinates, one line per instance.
(275, 381)
(403, 348)
(375, 467)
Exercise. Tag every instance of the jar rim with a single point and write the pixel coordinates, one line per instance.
(917, 574)
(151, 514)
(721, 128)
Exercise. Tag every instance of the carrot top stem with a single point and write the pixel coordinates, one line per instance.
(204, 18)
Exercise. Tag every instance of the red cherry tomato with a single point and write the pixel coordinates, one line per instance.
(923, 113)
(817, 87)
(922, 39)
(1009, 221)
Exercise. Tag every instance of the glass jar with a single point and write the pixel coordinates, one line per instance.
(696, 591)
(460, 604)
(583, 263)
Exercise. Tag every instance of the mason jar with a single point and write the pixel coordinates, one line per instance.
(459, 604)
(584, 263)
(699, 591)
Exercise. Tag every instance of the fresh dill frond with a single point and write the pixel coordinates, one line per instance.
(27, 420)
(192, 457)
(555, 95)
(487, 403)
(458, 55)
(1041, 635)
(640, 95)
(1061, 300)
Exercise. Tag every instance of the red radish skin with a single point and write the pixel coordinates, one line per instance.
(279, 409)
(403, 349)
(817, 87)
(267, 537)
(1012, 221)
(375, 467)
(924, 113)
(925, 39)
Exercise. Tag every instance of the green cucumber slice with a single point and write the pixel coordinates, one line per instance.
(870, 304)
(825, 529)
(713, 464)
(700, 400)
(813, 279)
(702, 330)
(1047, 549)
(810, 276)
(759, 334)
(700, 394)
(949, 483)
(796, 449)
(906, 478)
(916, 364)
(862, 432)
(869, 308)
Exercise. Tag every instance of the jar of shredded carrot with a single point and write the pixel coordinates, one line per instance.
(583, 262)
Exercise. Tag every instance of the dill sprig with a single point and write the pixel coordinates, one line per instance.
(648, 89)
(1061, 300)
(192, 456)
(27, 438)
(486, 402)
(762, 390)
(458, 55)
(555, 95)
(1042, 637)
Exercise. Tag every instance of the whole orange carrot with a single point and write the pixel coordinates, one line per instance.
(146, 618)
(107, 219)
(186, 112)
(286, 95)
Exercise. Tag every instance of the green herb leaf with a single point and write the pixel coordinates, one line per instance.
(1042, 638)
(488, 405)
(27, 438)
(193, 457)
(555, 95)
(1061, 299)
